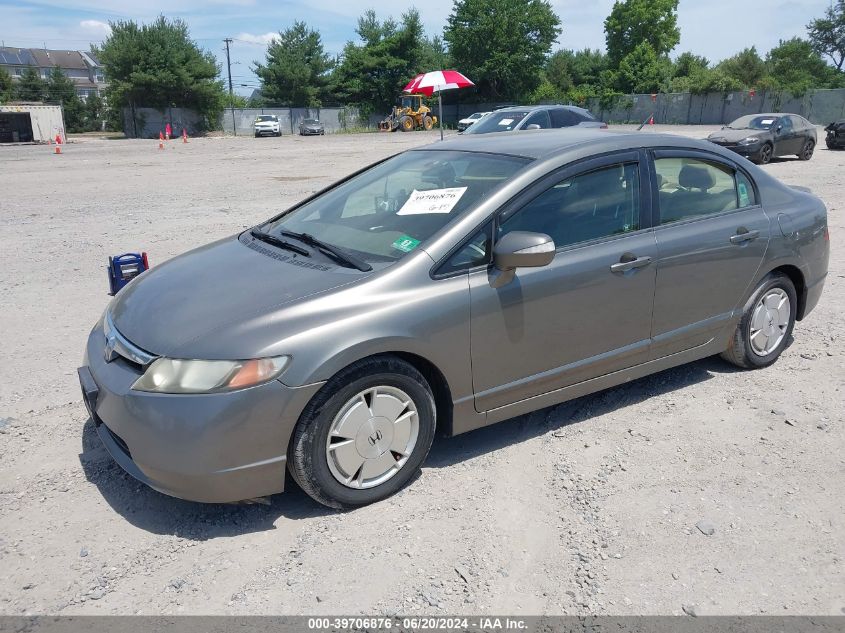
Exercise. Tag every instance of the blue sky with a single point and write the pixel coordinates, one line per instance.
(713, 28)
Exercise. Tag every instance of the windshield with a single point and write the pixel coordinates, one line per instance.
(503, 121)
(266, 117)
(754, 122)
(311, 122)
(393, 208)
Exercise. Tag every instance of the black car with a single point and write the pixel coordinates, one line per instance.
(517, 118)
(309, 127)
(761, 137)
(836, 135)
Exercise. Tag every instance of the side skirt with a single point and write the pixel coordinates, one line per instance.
(469, 422)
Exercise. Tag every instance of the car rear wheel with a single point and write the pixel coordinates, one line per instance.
(807, 150)
(766, 324)
(766, 153)
(364, 435)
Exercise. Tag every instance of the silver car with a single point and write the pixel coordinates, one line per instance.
(446, 288)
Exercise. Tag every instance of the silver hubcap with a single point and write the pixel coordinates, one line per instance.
(372, 437)
(769, 321)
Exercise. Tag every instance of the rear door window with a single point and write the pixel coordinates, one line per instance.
(691, 187)
(561, 117)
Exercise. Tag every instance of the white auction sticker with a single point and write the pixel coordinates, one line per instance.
(432, 201)
(505, 121)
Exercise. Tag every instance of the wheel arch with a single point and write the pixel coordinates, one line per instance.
(796, 276)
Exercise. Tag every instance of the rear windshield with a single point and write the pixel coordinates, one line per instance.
(504, 121)
(393, 208)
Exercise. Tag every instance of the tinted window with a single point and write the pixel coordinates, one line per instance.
(476, 252)
(589, 206)
(689, 187)
(502, 121)
(540, 118)
(561, 117)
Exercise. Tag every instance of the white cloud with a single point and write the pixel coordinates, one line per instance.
(95, 25)
(257, 40)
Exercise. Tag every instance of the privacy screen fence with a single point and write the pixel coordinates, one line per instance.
(713, 108)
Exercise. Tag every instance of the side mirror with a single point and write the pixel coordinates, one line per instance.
(532, 126)
(520, 249)
(779, 129)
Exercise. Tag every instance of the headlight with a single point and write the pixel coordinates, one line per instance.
(168, 375)
(749, 141)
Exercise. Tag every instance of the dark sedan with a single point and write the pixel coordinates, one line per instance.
(762, 137)
(311, 127)
(836, 135)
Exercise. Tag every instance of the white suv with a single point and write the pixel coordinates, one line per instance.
(267, 124)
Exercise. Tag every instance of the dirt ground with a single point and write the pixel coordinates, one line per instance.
(586, 508)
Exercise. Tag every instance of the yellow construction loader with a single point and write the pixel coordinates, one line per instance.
(408, 114)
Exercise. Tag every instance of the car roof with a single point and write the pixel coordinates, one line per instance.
(539, 144)
(532, 108)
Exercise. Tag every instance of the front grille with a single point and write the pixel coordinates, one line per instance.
(118, 440)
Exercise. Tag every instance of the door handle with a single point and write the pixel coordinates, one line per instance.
(627, 264)
(744, 236)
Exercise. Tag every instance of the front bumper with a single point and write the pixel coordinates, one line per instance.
(212, 448)
(751, 152)
(260, 131)
(307, 132)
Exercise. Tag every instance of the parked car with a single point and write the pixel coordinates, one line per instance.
(761, 137)
(446, 288)
(267, 124)
(311, 127)
(517, 118)
(464, 123)
(835, 135)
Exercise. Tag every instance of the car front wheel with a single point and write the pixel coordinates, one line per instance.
(766, 153)
(364, 435)
(766, 324)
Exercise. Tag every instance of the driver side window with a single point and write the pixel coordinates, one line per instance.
(589, 206)
(540, 118)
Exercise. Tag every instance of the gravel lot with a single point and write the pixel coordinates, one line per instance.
(588, 507)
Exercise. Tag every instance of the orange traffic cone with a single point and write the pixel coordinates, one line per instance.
(58, 143)
(651, 120)
(160, 140)
(184, 135)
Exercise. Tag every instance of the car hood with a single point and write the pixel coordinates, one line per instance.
(188, 306)
(734, 136)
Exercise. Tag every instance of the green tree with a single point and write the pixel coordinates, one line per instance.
(59, 88)
(158, 65)
(502, 45)
(567, 69)
(795, 66)
(746, 67)
(30, 86)
(643, 70)
(5, 86)
(827, 34)
(371, 73)
(633, 22)
(93, 113)
(296, 68)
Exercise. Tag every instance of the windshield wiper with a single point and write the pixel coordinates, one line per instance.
(276, 241)
(339, 255)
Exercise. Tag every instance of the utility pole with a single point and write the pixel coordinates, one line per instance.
(228, 41)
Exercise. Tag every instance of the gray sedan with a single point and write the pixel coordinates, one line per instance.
(311, 127)
(447, 288)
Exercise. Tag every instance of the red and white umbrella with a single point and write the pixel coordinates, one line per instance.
(437, 81)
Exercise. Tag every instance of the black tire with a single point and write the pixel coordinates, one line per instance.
(307, 459)
(807, 150)
(406, 124)
(766, 154)
(740, 352)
